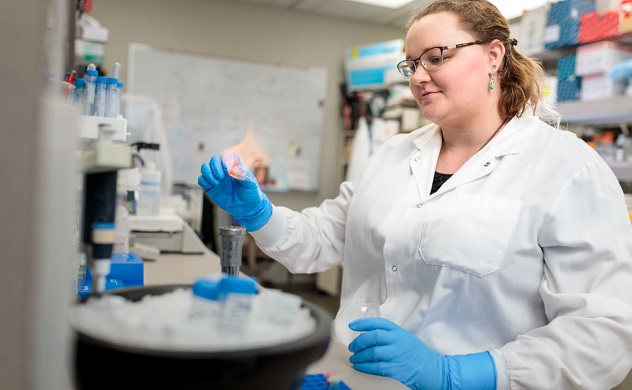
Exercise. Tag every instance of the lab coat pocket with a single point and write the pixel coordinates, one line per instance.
(470, 233)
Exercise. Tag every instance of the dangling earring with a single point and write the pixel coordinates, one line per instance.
(491, 80)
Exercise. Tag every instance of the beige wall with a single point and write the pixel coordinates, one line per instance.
(242, 31)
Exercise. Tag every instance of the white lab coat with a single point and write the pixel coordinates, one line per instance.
(526, 251)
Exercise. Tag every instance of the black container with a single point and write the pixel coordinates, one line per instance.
(100, 364)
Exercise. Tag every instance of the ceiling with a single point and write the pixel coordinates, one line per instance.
(348, 10)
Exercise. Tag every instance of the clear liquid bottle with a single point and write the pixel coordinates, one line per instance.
(121, 224)
(150, 190)
(205, 302)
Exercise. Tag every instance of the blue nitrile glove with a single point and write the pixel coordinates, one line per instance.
(389, 350)
(622, 70)
(241, 197)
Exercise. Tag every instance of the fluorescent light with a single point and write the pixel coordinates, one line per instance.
(393, 4)
(513, 9)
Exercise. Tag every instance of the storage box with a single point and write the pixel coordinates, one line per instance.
(626, 17)
(599, 26)
(600, 57)
(566, 67)
(601, 86)
(568, 9)
(565, 33)
(569, 90)
(532, 30)
(373, 66)
(607, 5)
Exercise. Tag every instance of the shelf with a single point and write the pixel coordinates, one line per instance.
(622, 170)
(611, 111)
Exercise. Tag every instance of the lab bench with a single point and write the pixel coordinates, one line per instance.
(175, 268)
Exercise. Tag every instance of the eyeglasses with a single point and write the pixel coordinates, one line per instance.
(430, 59)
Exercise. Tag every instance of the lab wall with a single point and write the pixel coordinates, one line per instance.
(249, 32)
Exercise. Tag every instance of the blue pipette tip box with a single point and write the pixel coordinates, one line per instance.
(321, 382)
(126, 270)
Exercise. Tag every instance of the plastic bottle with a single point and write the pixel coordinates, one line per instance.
(132, 180)
(117, 105)
(149, 197)
(100, 96)
(80, 95)
(205, 302)
(91, 88)
(110, 98)
(237, 294)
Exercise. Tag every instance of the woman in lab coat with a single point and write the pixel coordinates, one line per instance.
(491, 249)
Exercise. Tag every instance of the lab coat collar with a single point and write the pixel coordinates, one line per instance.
(511, 140)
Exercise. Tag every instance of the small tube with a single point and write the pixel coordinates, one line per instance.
(100, 96)
(116, 70)
(110, 98)
(91, 87)
(231, 242)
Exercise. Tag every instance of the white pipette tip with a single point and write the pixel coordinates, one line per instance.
(116, 70)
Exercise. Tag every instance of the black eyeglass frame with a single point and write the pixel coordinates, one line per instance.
(414, 62)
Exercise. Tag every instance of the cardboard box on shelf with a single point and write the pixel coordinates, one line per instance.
(599, 26)
(600, 57)
(600, 86)
(626, 16)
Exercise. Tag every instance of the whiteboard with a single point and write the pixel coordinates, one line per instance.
(272, 115)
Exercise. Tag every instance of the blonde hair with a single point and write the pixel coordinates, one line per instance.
(522, 78)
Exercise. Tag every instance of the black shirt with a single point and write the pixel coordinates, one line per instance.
(438, 180)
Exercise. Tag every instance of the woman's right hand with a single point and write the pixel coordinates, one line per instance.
(239, 195)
